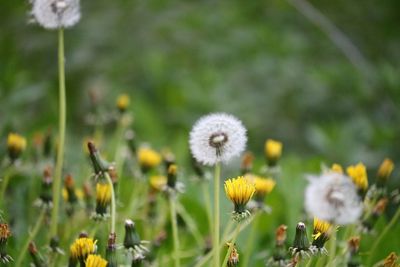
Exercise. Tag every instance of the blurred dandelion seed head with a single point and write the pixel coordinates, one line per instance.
(54, 14)
(217, 138)
(333, 197)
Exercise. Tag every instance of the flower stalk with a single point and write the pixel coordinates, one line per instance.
(61, 138)
(217, 175)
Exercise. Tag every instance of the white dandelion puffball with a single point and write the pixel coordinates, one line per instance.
(333, 197)
(217, 138)
(54, 14)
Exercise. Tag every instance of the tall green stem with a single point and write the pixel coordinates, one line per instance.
(4, 183)
(61, 138)
(113, 205)
(207, 200)
(250, 241)
(31, 236)
(382, 235)
(172, 204)
(216, 214)
(235, 235)
(332, 248)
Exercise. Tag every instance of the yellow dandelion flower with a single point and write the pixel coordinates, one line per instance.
(103, 193)
(82, 247)
(95, 261)
(123, 102)
(158, 182)
(321, 233)
(148, 158)
(385, 170)
(273, 151)
(16, 144)
(337, 168)
(264, 186)
(239, 191)
(358, 173)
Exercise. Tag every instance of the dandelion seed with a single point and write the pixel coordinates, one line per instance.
(217, 138)
(333, 197)
(239, 191)
(54, 14)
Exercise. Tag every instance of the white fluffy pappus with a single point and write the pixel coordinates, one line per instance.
(54, 14)
(217, 138)
(333, 197)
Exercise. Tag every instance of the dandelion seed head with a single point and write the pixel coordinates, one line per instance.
(54, 14)
(333, 197)
(217, 138)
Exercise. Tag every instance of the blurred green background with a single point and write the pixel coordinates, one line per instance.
(324, 79)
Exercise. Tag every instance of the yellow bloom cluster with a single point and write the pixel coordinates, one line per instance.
(95, 261)
(148, 158)
(321, 227)
(123, 102)
(358, 173)
(239, 190)
(337, 168)
(82, 247)
(385, 169)
(158, 182)
(273, 151)
(16, 144)
(103, 193)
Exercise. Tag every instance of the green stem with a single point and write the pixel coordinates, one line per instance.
(6, 179)
(332, 247)
(250, 242)
(230, 248)
(172, 204)
(190, 223)
(61, 138)
(392, 222)
(216, 215)
(207, 200)
(31, 236)
(113, 206)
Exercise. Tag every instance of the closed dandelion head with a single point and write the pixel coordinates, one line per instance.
(333, 197)
(158, 182)
(301, 245)
(123, 102)
(95, 261)
(273, 151)
(385, 170)
(321, 233)
(217, 138)
(148, 158)
(390, 260)
(82, 248)
(233, 259)
(103, 199)
(239, 191)
(5, 233)
(55, 14)
(132, 241)
(16, 144)
(337, 168)
(358, 174)
(247, 162)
